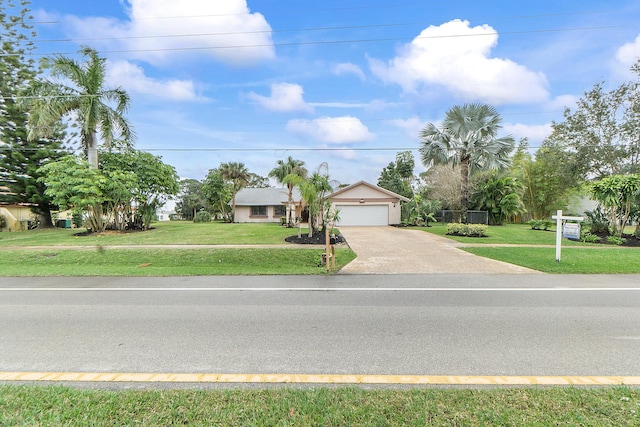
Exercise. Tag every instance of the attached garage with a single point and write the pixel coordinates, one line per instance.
(363, 215)
(364, 204)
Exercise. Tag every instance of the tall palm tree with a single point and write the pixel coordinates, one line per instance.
(283, 169)
(238, 174)
(77, 91)
(468, 139)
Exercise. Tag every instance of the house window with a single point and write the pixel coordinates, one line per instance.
(279, 210)
(258, 211)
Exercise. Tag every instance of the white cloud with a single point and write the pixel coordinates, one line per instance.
(348, 68)
(160, 29)
(331, 130)
(284, 97)
(457, 57)
(534, 133)
(132, 78)
(411, 126)
(626, 56)
(562, 101)
(628, 53)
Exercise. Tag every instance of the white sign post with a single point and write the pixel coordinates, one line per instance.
(559, 218)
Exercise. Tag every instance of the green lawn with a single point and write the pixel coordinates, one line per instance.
(163, 233)
(100, 260)
(577, 257)
(574, 260)
(166, 262)
(566, 406)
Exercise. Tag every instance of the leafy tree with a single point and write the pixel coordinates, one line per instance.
(217, 192)
(398, 176)
(19, 157)
(256, 181)
(548, 183)
(238, 175)
(283, 169)
(498, 195)
(468, 139)
(77, 91)
(155, 181)
(73, 184)
(602, 132)
(191, 199)
(617, 194)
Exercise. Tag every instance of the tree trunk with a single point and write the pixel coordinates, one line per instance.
(464, 188)
(92, 150)
(45, 218)
(289, 222)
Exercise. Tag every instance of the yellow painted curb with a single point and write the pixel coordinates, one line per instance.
(319, 378)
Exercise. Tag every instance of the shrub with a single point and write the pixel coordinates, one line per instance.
(202, 216)
(637, 233)
(597, 221)
(468, 230)
(590, 238)
(540, 224)
(615, 240)
(3, 222)
(76, 219)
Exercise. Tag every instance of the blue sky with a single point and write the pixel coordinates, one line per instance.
(347, 83)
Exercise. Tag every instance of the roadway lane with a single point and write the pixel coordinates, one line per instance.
(403, 325)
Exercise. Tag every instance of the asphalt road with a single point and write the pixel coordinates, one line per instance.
(400, 325)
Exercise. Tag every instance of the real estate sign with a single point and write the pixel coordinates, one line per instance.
(571, 230)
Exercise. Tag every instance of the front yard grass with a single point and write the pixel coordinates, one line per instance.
(163, 233)
(104, 261)
(344, 406)
(574, 260)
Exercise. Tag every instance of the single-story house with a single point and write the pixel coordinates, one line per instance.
(361, 204)
(366, 204)
(265, 204)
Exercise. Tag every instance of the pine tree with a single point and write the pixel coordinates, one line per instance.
(19, 157)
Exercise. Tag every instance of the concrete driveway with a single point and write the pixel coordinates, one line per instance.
(392, 250)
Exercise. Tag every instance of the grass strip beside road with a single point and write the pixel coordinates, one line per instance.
(574, 260)
(55, 405)
(166, 262)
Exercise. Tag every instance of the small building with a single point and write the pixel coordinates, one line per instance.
(17, 216)
(365, 204)
(265, 204)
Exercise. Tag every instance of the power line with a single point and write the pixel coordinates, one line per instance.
(331, 42)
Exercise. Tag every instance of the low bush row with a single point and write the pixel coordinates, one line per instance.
(468, 230)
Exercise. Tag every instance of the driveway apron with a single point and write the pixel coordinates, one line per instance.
(393, 250)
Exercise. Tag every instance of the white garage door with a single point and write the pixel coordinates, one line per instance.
(363, 215)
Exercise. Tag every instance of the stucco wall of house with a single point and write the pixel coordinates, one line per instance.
(16, 216)
(243, 214)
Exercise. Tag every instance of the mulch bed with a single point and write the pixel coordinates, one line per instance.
(316, 239)
(631, 240)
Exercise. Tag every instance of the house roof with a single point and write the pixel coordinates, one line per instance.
(265, 196)
(375, 187)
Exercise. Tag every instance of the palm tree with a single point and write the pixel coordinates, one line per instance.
(467, 138)
(313, 192)
(79, 94)
(238, 174)
(281, 172)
